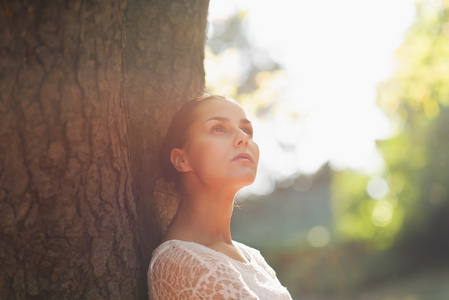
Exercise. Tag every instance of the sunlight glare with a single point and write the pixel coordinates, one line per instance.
(333, 59)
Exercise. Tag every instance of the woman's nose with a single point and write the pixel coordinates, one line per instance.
(241, 139)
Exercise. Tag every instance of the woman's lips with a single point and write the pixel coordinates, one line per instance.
(243, 157)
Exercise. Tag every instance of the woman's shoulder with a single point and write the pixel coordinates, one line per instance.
(175, 253)
(177, 247)
(183, 253)
(256, 257)
(246, 248)
(249, 251)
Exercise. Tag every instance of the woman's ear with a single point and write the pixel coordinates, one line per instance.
(178, 160)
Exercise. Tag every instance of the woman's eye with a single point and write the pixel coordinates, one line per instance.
(219, 129)
(248, 131)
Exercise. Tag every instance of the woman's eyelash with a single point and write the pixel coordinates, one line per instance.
(222, 129)
(218, 128)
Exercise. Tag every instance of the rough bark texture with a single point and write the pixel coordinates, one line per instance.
(164, 60)
(79, 211)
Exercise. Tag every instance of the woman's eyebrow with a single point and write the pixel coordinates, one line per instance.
(217, 118)
(224, 119)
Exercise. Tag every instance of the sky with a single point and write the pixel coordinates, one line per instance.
(334, 54)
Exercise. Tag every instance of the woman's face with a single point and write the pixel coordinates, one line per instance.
(220, 148)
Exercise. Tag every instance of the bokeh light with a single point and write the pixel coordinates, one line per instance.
(318, 236)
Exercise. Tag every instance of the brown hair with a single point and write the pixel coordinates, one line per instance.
(177, 135)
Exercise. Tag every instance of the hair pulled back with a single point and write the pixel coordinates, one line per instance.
(177, 134)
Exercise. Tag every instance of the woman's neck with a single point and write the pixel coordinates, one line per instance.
(203, 216)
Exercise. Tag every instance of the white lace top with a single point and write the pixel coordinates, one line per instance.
(188, 270)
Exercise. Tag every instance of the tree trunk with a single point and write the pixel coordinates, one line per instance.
(81, 206)
(164, 69)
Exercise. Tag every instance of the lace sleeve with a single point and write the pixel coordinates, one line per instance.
(178, 273)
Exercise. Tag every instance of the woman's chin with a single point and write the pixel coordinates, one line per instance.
(236, 181)
(246, 180)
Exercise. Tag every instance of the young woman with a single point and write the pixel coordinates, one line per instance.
(210, 153)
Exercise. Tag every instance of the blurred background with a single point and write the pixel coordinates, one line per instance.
(350, 105)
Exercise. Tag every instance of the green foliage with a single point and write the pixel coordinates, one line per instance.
(416, 99)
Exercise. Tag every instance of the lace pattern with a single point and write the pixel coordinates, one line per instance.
(187, 270)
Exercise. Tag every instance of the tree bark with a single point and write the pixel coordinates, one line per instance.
(86, 92)
(164, 69)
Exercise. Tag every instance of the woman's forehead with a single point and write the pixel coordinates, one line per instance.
(219, 108)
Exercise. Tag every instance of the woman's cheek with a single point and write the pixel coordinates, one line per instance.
(256, 151)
